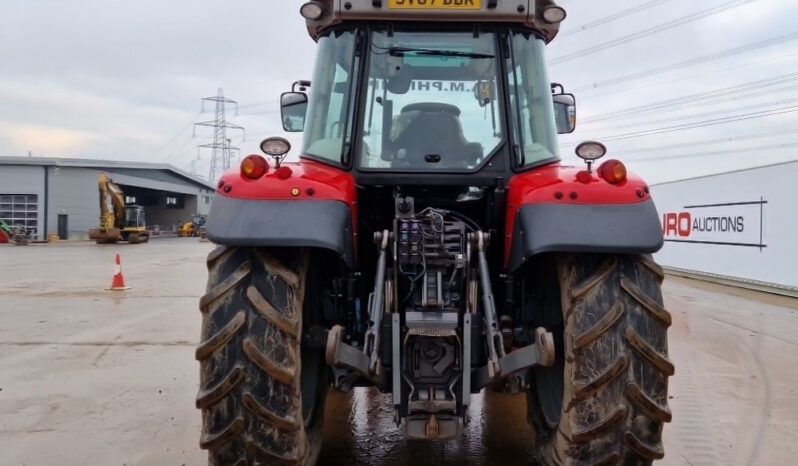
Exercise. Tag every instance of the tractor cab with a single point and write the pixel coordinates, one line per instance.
(199, 220)
(449, 87)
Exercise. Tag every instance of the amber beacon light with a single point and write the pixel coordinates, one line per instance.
(254, 166)
(614, 171)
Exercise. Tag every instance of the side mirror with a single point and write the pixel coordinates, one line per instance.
(293, 107)
(565, 113)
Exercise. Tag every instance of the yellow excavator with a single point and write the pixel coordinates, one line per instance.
(118, 221)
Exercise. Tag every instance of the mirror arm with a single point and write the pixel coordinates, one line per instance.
(302, 84)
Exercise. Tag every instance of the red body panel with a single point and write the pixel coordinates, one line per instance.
(557, 184)
(312, 180)
(550, 184)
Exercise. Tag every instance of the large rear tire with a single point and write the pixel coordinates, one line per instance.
(606, 400)
(261, 392)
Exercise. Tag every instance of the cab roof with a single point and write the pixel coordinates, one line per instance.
(528, 13)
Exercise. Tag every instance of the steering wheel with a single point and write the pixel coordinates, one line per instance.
(432, 107)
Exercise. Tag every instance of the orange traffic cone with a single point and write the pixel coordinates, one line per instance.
(118, 284)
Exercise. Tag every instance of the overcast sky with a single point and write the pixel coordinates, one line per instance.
(123, 79)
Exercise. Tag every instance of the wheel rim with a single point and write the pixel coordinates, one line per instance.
(550, 385)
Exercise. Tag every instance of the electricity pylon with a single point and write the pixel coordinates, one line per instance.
(221, 149)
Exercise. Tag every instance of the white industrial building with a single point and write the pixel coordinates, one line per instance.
(739, 227)
(60, 195)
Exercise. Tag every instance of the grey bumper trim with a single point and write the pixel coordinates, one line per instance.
(317, 224)
(603, 228)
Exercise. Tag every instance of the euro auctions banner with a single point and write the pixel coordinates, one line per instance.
(740, 225)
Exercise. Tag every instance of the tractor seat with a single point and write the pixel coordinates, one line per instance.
(432, 136)
(432, 107)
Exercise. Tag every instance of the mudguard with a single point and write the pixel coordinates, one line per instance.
(325, 224)
(593, 228)
(567, 209)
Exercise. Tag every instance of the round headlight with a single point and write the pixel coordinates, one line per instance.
(591, 150)
(275, 147)
(554, 15)
(312, 10)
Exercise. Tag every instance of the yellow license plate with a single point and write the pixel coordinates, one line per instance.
(435, 4)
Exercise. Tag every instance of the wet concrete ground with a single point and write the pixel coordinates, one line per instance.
(92, 378)
(498, 434)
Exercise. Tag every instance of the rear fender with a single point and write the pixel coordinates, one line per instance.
(314, 207)
(550, 210)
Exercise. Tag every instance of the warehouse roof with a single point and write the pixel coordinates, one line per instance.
(114, 165)
(712, 175)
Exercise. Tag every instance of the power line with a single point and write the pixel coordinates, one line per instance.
(698, 97)
(650, 31)
(272, 111)
(699, 124)
(174, 138)
(706, 142)
(694, 77)
(684, 64)
(258, 104)
(172, 155)
(614, 17)
(719, 152)
(706, 101)
(700, 115)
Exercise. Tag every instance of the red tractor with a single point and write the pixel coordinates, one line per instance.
(429, 243)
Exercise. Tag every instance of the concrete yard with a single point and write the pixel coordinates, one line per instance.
(90, 377)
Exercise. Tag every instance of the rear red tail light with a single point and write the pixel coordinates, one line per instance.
(254, 166)
(284, 172)
(584, 177)
(614, 171)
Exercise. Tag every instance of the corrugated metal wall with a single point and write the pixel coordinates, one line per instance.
(73, 192)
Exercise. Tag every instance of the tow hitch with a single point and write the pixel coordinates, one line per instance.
(433, 413)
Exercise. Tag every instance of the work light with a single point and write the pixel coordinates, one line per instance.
(275, 146)
(312, 10)
(591, 151)
(554, 15)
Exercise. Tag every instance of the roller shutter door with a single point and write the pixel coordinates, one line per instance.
(20, 209)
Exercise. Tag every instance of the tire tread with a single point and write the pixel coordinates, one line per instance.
(221, 338)
(250, 361)
(654, 309)
(616, 364)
